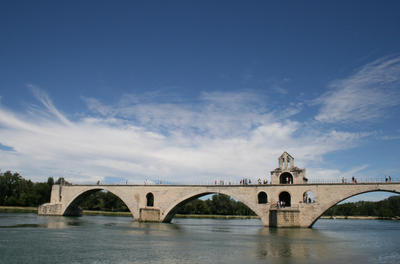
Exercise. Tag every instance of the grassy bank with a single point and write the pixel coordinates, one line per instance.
(17, 209)
(216, 216)
(360, 217)
(106, 213)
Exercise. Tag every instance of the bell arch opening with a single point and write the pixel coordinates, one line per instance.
(286, 178)
(384, 208)
(218, 204)
(262, 198)
(284, 199)
(96, 200)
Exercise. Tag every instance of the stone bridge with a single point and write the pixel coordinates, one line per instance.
(158, 203)
(289, 201)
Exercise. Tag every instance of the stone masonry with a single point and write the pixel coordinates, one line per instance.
(297, 211)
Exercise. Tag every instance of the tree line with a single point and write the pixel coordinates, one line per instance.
(219, 204)
(389, 207)
(17, 191)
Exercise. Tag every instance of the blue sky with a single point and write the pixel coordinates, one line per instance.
(192, 91)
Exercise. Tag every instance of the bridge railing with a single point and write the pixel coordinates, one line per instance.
(311, 180)
(350, 180)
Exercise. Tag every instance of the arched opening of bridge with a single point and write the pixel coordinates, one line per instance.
(212, 205)
(376, 203)
(262, 198)
(97, 201)
(286, 178)
(284, 199)
(308, 197)
(150, 200)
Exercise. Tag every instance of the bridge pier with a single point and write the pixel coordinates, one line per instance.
(284, 217)
(149, 215)
(50, 209)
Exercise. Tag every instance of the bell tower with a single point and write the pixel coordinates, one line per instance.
(287, 173)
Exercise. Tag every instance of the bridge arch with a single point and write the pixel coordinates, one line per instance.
(171, 211)
(331, 204)
(71, 206)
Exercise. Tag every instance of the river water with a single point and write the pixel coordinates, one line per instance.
(28, 238)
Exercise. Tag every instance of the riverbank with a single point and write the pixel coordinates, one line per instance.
(17, 209)
(360, 217)
(217, 216)
(20, 209)
(198, 216)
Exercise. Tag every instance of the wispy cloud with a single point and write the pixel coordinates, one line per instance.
(43, 98)
(364, 95)
(219, 135)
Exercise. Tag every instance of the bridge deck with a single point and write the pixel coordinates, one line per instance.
(234, 185)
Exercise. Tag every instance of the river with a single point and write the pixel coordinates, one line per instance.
(28, 238)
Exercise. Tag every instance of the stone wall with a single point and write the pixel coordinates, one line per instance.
(168, 197)
(149, 215)
(50, 209)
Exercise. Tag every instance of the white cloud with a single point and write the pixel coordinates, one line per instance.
(48, 104)
(364, 95)
(335, 175)
(219, 136)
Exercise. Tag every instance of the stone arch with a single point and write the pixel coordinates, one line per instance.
(171, 211)
(71, 207)
(150, 199)
(308, 197)
(325, 208)
(285, 199)
(262, 198)
(286, 178)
